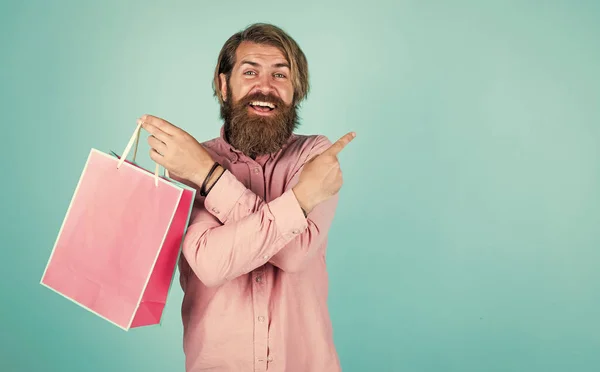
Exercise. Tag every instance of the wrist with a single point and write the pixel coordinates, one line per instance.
(214, 177)
(210, 178)
(304, 200)
(199, 177)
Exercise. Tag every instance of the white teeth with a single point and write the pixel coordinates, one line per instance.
(264, 104)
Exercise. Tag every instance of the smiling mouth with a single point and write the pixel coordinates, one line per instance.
(261, 106)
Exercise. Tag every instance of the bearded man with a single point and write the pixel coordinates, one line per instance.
(253, 266)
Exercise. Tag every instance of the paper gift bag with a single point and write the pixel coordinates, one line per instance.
(118, 246)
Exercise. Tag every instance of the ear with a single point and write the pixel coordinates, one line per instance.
(223, 86)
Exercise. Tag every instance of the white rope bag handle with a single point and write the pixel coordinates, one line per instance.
(134, 141)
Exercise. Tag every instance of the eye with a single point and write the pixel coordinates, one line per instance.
(279, 75)
(249, 73)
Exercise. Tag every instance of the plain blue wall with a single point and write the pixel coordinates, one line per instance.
(467, 234)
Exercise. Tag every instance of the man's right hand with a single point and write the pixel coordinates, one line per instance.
(321, 176)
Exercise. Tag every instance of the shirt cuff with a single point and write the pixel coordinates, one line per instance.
(224, 195)
(289, 218)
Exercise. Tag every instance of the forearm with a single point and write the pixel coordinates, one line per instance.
(293, 256)
(311, 242)
(219, 252)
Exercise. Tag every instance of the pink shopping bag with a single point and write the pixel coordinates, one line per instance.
(118, 246)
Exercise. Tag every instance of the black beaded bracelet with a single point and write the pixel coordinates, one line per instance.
(203, 191)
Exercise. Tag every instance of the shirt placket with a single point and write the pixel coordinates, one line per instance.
(259, 295)
(261, 321)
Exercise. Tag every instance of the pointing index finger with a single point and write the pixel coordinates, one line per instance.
(340, 144)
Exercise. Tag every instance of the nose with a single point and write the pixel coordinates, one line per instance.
(264, 86)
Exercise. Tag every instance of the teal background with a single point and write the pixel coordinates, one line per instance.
(468, 231)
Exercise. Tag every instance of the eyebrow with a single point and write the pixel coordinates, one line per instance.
(255, 64)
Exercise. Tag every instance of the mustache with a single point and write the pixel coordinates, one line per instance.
(258, 96)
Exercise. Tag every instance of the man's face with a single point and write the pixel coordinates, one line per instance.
(258, 111)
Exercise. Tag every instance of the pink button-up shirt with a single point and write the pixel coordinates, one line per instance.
(253, 268)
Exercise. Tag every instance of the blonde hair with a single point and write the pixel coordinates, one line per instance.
(262, 33)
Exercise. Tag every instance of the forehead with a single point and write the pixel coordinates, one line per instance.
(261, 53)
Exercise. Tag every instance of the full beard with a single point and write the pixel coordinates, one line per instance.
(255, 134)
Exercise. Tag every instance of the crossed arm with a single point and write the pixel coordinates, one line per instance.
(235, 231)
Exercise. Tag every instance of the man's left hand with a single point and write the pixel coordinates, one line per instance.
(176, 150)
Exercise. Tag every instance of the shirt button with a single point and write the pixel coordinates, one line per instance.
(261, 318)
(256, 170)
(269, 359)
(259, 279)
(296, 232)
(215, 210)
(266, 257)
